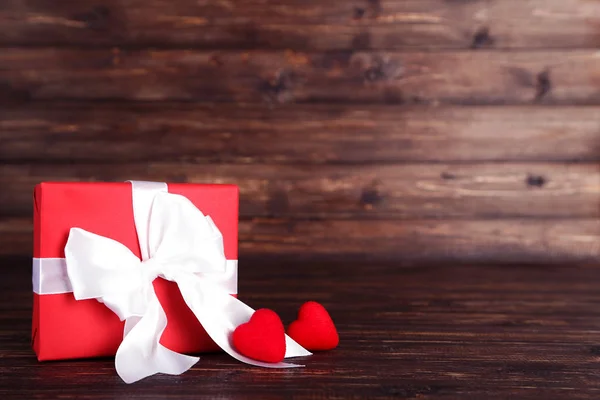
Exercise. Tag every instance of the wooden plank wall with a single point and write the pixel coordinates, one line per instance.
(406, 129)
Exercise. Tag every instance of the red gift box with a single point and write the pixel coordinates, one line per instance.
(64, 328)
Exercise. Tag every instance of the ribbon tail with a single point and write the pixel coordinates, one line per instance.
(222, 314)
(140, 353)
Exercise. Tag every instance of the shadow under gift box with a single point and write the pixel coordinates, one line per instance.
(64, 328)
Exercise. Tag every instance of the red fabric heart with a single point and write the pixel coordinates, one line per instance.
(262, 338)
(314, 328)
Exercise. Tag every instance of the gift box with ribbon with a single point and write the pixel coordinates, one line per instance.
(144, 271)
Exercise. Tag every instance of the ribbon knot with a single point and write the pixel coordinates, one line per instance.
(152, 269)
(180, 244)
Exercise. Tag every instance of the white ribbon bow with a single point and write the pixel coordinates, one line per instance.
(180, 244)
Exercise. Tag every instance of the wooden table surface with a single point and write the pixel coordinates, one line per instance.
(407, 331)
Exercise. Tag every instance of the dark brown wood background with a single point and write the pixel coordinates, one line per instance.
(438, 148)
(398, 129)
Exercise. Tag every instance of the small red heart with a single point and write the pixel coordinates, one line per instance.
(262, 338)
(314, 328)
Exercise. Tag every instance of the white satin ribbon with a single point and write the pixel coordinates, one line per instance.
(49, 276)
(180, 244)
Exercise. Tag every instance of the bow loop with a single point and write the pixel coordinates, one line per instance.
(103, 269)
(99, 266)
(180, 235)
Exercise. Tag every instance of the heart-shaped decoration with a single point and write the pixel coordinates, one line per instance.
(314, 328)
(262, 338)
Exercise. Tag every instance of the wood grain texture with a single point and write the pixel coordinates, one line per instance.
(427, 332)
(507, 240)
(306, 25)
(375, 191)
(415, 129)
(211, 133)
(16, 236)
(549, 77)
(502, 241)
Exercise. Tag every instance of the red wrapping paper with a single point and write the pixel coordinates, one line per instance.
(64, 328)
